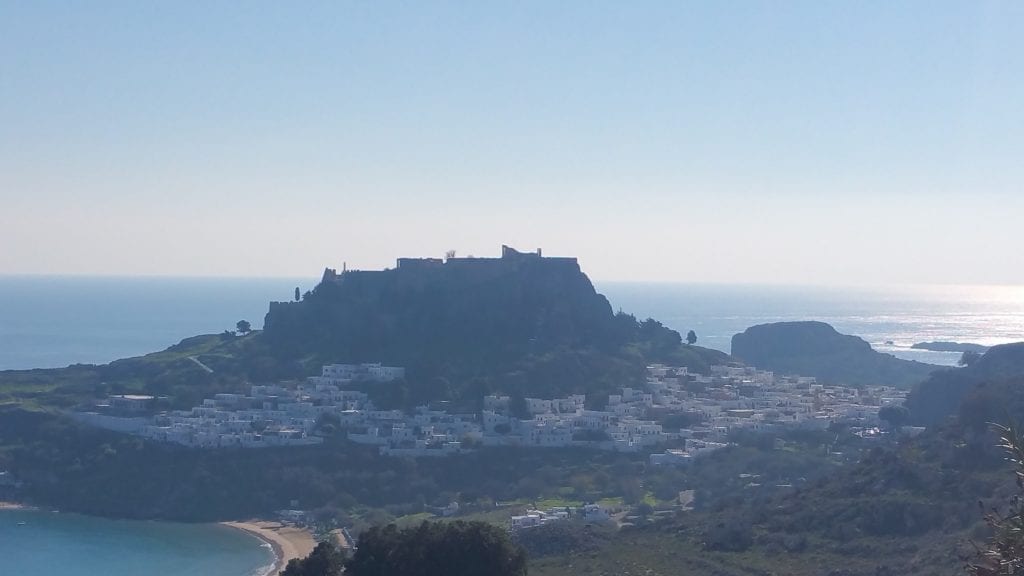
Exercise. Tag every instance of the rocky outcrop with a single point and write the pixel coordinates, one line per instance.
(817, 349)
(950, 347)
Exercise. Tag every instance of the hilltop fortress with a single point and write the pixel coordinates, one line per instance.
(442, 316)
(511, 260)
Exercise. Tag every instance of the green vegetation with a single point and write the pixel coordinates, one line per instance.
(243, 327)
(82, 469)
(894, 416)
(171, 374)
(1004, 552)
(809, 501)
(563, 539)
(325, 560)
(906, 510)
(433, 548)
(793, 503)
(943, 394)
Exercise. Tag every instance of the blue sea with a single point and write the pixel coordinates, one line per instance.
(56, 321)
(36, 543)
(48, 322)
(890, 318)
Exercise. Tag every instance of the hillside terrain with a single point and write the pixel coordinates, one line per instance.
(817, 349)
(840, 501)
(943, 394)
(907, 506)
(521, 324)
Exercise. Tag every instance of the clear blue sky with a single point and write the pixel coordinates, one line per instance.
(794, 142)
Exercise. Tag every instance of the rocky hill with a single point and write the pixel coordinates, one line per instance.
(817, 349)
(940, 396)
(522, 324)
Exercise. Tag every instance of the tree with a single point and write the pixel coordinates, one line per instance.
(968, 358)
(895, 416)
(297, 294)
(644, 509)
(451, 548)
(518, 407)
(243, 327)
(731, 534)
(691, 337)
(325, 560)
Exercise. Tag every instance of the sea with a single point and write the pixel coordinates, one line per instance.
(890, 318)
(44, 543)
(48, 322)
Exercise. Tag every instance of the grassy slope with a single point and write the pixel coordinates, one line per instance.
(159, 373)
(651, 552)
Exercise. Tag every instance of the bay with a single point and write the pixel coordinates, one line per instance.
(37, 543)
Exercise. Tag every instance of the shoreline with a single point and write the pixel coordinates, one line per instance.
(14, 506)
(286, 542)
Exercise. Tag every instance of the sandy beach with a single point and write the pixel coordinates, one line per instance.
(288, 542)
(13, 506)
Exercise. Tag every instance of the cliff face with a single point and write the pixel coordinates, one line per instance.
(816, 349)
(414, 313)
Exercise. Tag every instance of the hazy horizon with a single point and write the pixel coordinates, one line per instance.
(756, 143)
(313, 279)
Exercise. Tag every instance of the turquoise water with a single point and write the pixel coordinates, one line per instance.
(50, 544)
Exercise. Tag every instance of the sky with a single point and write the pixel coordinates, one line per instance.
(742, 142)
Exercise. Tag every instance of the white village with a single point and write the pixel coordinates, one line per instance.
(730, 399)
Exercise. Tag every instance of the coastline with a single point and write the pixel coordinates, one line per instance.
(14, 506)
(286, 542)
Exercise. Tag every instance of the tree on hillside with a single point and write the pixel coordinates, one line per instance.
(243, 327)
(298, 295)
(518, 407)
(691, 337)
(433, 548)
(895, 416)
(325, 560)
